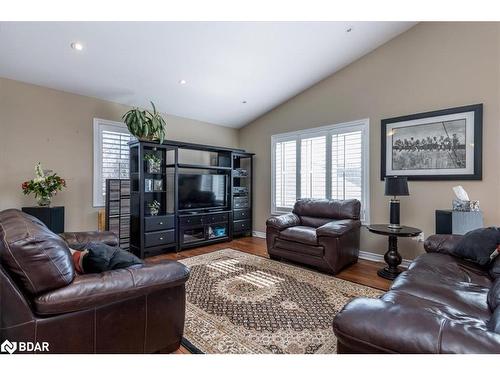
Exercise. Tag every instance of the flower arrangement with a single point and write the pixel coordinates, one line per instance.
(154, 207)
(45, 185)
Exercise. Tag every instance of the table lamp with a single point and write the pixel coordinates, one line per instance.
(395, 186)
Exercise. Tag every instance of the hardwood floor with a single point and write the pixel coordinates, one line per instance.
(364, 272)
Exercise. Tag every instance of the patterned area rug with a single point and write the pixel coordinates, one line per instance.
(242, 303)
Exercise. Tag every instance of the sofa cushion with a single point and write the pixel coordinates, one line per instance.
(36, 258)
(328, 208)
(98, 289)
(454, 288)
(302, 234)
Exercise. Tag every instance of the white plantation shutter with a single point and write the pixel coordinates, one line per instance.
(111, 155)
(328, 162)
(313, 167)
(286, 174)
(346, 166)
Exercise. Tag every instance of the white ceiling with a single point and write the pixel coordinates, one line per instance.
(224, 63)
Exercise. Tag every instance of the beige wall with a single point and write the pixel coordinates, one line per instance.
(432, 66)
(55, 128)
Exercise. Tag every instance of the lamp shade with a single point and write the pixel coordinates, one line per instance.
(396, 186)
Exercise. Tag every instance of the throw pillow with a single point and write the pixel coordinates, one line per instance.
(479, 245)
(99, 257)
(494, 296)
(494, 322)
(495, 268)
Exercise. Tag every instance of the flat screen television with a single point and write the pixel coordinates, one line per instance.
(202, 191)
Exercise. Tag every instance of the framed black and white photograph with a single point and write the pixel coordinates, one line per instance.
(438, 145)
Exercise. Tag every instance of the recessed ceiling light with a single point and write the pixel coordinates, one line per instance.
(182, 82)
(77, 46)
(348, 30)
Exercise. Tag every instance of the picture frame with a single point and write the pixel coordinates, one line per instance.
(437, 145)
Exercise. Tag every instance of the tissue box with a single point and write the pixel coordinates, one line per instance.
(465, 206)
(460, 205)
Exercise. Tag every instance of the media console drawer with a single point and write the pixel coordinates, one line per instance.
(159, 238)
(242, 226)
(204, 219)
(191, 220)
(216, 218)
(156, 223)
(241, 214)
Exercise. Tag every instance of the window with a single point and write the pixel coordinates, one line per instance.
(111, 155)
(328, 162)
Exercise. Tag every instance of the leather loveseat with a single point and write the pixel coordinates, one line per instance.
(441, 304)
(318, 232)
(42, 299)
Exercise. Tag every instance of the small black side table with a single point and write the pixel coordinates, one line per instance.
(392, 257)
(52, 217)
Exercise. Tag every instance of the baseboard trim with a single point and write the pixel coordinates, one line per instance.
(258, 234)
(366, 255)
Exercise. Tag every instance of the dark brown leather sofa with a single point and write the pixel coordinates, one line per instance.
(441, 304)
(133, 310)
(320, 233)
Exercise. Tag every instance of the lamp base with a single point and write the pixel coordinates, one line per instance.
(394, 214)
(394, 226)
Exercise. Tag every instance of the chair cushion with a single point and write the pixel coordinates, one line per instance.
(36, 258)
(302, 248)
(302, 234)
(330, 209)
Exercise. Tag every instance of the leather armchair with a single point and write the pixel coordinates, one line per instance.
(441, 304)
(320, 233)
(134, 310)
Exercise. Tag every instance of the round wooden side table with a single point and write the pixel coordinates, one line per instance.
(392, 257)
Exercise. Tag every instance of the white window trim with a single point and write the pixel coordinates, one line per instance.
(100, 125)
(362, 125)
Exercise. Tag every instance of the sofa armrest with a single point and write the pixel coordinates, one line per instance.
(283, 221)
(79, 240)
(337, 228)
(376, 326)
(442, 243)
(97, 289)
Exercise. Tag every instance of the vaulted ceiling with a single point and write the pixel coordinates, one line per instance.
(227, 73)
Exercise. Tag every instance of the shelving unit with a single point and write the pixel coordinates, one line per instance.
(118, 210)
(152, 234)
(241, 194)
(178, 226)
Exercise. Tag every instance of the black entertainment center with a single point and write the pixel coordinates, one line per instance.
(185, 195)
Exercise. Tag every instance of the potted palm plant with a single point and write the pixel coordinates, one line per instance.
(145, 125)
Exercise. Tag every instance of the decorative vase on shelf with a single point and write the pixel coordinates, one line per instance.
(154, 166)
(154, 208)
(43, 201)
